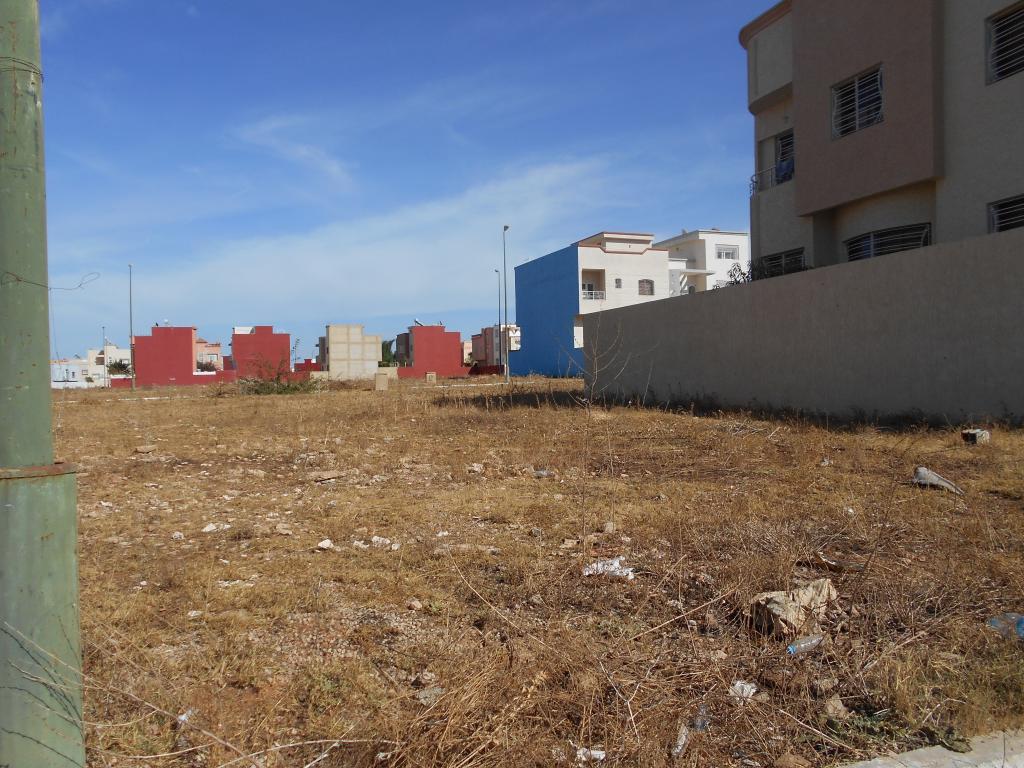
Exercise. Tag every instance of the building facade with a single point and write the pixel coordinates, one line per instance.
(487, 349)
(704, 259)
(553, 293)
(346, 352)
(882, 126)
(169, 357)
(429, 349)
(257, 352)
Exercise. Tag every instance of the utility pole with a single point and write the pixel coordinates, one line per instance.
(103, 350)
(504, 330)
(131, 326)
(40, 652)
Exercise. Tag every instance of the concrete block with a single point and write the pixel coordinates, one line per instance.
(380, 382)
(431, 378)
(998, 750)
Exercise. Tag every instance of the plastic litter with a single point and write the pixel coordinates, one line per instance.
(613, 567)
(925, 478)
(589, 755)
(1009, 625)
(699, 725)
(975, 436)
(742, 691)
(804, 644)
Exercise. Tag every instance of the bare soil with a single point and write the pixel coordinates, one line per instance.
(470, 637)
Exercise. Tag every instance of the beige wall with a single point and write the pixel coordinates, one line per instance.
(984, 125)
(835, 40)
(910, 205)
(351, 353)
(770, 62)
(933, 331)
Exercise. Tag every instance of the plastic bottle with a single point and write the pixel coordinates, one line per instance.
(1009, 625)
(701, 721)
(804, 644)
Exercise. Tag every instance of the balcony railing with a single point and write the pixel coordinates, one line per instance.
(593, 295)
(771, 177)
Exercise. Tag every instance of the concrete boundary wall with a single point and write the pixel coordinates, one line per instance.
(936, 332)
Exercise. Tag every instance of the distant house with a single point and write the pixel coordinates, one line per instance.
(554, 292)
(489, 346)
(429, 349)
(347, 352)
(257, 352)
(168, 357)
(704, 259)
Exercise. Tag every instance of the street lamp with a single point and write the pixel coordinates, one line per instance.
(504, 330)
(131, 326)
(496, 342)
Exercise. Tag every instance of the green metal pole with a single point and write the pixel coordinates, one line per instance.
(40, 655)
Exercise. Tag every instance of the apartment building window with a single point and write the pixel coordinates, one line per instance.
(885, 241)
(646, 287)
(785, 157)
(857, 103)
(618, 282)
(1005, 35)
(727, 252)
(783, 263)
(1006, 214)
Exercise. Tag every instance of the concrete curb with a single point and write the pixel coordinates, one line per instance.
(997, 750)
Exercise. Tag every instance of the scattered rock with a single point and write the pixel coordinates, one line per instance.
(569, 543)
(662, 497)
(380, 541)
(178, 536)
(325, 544)
(475, 468)
(194, 614)
(414, 605)
(925, 478)
(283, 529)
(537, 601)
(975, 436)
(211, 527)
(590, 755)
(786, 614)
(543, 474)
(145, 448)
(613, 567)
(424, 679)
(835, 708)
(256, 473)
(428, 697)
(360, 544)
(536, 532)
(609, 527)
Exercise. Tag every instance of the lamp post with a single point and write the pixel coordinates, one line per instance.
(40, 654)
(497, 326)
(131, 326)
(503, 331)
(105, 378)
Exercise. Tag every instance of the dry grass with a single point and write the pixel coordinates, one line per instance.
(294, 645)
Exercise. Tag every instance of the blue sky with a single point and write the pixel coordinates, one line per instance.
(321, 161)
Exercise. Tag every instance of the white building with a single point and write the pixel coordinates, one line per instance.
(703, 258)
(346, 352)
(89, 371)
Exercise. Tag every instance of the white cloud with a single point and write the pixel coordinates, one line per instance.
(431, 256)
(278, 135)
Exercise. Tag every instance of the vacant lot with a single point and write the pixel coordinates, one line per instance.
(448, 622)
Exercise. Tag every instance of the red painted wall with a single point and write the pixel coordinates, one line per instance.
(167, 357)
(307, 366)
(262, 354)
(434, 350)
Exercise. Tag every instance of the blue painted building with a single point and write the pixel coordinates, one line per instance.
(605, 271)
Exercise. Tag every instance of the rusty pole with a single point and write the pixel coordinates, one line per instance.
(40, 656)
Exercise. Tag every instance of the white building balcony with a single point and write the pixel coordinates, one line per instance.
(593, 295)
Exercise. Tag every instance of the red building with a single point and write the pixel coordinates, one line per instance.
(429, 349)
(259, 353)
(167, 357)
(307, 366)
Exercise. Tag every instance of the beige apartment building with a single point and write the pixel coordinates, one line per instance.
(883, 125)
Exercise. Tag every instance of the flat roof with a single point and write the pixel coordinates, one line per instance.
(765, 20)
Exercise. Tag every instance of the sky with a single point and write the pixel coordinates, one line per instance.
(318, 161)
